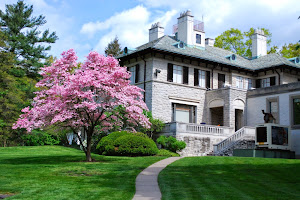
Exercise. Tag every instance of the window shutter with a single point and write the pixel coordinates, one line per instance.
(207, 79)
(196, 77)
(258, 85)
(137, 72)
(185, 75)
(170, 72)
(272, 80)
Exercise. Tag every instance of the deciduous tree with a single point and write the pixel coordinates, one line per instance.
(239, 42)
(84, 97)
(291, 50)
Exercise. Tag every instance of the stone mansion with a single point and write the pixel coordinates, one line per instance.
(211, 97)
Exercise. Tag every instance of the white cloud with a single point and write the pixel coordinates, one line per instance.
(280, 17)
(129, 18)
(131, 26)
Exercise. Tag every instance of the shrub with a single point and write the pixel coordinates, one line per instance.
(127, 144)
(171, 143)
(106, 144)
(39, 138)
(157, 125)
(165, 152)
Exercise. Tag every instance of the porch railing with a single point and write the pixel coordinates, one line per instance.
(179, 127)
(243, 133)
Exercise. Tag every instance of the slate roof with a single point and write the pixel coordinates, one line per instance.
(215, 54)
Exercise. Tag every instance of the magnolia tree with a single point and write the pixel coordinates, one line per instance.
(83, 96)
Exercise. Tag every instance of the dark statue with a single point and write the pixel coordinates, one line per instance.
(268, 117)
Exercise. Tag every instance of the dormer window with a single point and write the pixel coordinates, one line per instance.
(198, 38)
(295, 60)
(180, 45)
(231, 57)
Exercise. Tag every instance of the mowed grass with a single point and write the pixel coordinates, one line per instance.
(231, 178)
(54, 172)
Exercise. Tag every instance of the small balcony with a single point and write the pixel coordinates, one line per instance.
(198, 26)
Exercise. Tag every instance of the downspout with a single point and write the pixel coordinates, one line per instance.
(278, 76)
(145, 64)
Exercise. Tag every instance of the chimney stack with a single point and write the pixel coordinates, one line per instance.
(190, 31)
(186, 27)
(156, 31)
(259, 43)
(209, 42)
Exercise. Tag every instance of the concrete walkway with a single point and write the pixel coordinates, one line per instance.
(146, 183)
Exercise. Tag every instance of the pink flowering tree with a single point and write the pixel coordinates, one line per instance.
(83, 96)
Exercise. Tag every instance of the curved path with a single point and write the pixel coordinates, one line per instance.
(146, 182)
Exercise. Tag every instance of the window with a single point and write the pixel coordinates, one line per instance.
(177, 74)
(267, 82)
(198, 38)
(239, 82)
(272, 107)
(201, 78)
(296, 111)
(221, 80)
(134, 71)
(249, 83)
(183, 113)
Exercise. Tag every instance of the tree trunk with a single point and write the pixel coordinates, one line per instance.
(89, 144)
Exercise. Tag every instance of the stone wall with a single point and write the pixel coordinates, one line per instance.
(198, 145)
(243, 144)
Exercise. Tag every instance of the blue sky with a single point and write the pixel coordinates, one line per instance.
(91, 24)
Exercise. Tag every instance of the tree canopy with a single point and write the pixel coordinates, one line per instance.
(239, 42)
(113, 48)
(84, 96)
(25, 41)
(291, 50)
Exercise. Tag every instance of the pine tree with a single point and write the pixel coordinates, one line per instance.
(113, 48)
(25, 41)
(16, 92)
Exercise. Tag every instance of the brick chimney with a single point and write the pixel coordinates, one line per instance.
(156, 31)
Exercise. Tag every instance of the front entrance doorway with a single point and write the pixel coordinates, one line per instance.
(216, 115)
(239, 119)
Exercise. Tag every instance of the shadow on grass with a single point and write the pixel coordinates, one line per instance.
(59, 159)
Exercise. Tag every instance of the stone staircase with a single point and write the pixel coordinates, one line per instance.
(243, 138)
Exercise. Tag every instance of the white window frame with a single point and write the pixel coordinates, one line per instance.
(133, 74)
(239, 82)
(202, 78)
(200, 38)
(292, 112)
(265, 82)
(250, 83)
(177, 74)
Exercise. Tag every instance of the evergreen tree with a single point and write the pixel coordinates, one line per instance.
(25, 41)
(113, 48)
(16, 92)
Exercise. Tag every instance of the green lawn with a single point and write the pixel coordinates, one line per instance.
(54, 172)
(231, 178)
